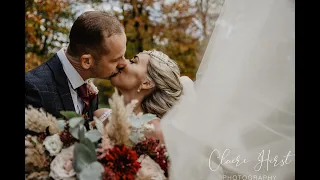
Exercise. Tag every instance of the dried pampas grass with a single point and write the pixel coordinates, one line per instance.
(118, 128)
(35, 158)
(38, 120)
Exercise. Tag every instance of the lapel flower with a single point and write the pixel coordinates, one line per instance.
(93, 90)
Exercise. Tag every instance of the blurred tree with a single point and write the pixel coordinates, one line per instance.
(154, 24)
(136, 17)
(180, 29)
(207, 13)
(180, 36)
(46, 28)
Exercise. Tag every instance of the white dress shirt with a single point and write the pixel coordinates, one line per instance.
(74, 80)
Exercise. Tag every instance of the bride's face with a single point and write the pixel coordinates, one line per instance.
(133, 75)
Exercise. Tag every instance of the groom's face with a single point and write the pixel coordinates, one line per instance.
(109, 64)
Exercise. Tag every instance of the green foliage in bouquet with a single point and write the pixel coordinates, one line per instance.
(84, 159)
(65, 149)
(75, 123)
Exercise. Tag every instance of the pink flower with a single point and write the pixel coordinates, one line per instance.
(149, 169)
(105, 145)
(61, 166)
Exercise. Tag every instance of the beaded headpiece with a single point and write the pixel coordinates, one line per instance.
(161, 57)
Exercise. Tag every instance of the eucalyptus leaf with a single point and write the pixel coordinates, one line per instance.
(145, 118)
(90, 145)
(61, 124)
(74, 132)
(81, 133)
(70, 114)
(93, 135)
(134, 137)
(93, 171)
(76, 121)
(82, 157)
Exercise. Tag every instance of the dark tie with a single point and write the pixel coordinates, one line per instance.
(84, 95)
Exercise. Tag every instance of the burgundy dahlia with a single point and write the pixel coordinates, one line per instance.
(148, 146)
(41, 137)
(162, 158)
(66, 138)
(122, 161)
(109, 174)
(158, 153)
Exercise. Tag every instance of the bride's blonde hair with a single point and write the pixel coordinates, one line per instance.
(165, 73)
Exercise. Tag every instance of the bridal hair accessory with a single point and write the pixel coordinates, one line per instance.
(163, 58)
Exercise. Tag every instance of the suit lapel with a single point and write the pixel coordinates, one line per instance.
(61, 83)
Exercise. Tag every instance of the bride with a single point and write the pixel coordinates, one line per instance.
(153, 79)
(240, 122)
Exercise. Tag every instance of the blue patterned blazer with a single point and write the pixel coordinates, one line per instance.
(47, 86)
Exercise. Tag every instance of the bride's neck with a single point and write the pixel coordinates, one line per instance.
(128, 96)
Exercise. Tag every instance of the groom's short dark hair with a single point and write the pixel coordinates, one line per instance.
(88, 32)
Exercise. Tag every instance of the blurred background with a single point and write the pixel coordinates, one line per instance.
(179, 28)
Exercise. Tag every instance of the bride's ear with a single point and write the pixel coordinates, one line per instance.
(147, 84)
(86, 61)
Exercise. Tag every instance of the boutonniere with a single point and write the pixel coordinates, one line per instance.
(93, 90)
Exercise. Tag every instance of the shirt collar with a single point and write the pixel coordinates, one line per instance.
(73, 76)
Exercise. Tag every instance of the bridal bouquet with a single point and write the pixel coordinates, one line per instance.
(65, 149)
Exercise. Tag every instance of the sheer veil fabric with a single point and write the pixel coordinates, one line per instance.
(243, 105)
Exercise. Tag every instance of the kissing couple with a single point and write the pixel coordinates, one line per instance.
(97, 45)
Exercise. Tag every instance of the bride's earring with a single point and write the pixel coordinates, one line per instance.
(139, 89)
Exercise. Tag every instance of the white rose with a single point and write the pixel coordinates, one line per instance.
(53, 144)
(61, 166)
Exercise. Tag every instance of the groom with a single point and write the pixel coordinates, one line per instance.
(97, 44)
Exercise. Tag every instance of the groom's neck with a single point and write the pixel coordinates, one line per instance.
(76, 64)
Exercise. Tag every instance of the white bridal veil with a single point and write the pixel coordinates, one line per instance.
(240, 121)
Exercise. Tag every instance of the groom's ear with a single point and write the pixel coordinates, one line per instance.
(86, 61)
(147, 84)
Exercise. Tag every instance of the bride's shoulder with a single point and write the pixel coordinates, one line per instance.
(156, 124)
(155, 121)
(157, 132)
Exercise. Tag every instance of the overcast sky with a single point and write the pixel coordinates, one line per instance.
(80, 8)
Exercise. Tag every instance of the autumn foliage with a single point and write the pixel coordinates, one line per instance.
(177, 29)
(45, 29)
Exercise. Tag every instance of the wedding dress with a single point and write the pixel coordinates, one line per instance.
(243, 102)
